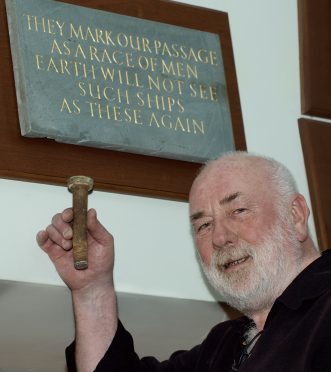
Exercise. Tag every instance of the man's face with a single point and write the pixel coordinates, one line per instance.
(240, 235)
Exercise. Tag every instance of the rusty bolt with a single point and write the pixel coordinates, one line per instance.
(80, 186)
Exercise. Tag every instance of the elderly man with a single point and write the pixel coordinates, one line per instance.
(250, 229)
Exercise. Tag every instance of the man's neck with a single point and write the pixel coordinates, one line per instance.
(260, 318)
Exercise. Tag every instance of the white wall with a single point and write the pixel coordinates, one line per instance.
(154, 250)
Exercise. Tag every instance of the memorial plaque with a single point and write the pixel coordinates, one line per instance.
(100, 79)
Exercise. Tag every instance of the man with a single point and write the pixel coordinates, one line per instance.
(250, 229)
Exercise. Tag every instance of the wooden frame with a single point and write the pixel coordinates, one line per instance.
(46, 161)
(316, 139)
(315, 57)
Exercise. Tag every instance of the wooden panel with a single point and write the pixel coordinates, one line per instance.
(315, 57)
(46, 161)
(316, 141)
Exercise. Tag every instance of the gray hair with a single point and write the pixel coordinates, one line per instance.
(281, 178)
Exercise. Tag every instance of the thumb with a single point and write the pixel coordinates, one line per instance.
(97, 230)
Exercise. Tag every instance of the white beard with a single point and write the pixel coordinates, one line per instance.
(272, 266)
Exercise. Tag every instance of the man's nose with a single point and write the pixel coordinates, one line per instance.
(223, 235)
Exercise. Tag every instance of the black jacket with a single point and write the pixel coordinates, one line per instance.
(296, 336)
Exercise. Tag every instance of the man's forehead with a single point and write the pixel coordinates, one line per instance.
(222, 180)
(229, 171)
(217, 177)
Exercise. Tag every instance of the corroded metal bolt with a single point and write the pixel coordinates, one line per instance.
(80, 186)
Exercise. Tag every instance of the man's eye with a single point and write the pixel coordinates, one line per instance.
(203, 226)
(239, 210)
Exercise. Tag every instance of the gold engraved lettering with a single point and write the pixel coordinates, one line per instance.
(128, 60)
(133, 80)
(179, 125)
(121, 77)
(78, 34)
(147, 63)
(30, 19)
(198, 127)
(91, 70)
(213, 58)
(46, 25)
(64, 67)
(107, 93)
(79, 52)
(161, 103)
(166, 50)
(203, 56)
(179, 69)
(191, 55)
(165, 84)
(157, 46)
(105, 56)
(109, 40)
(60, 26)
(122, 96)
(91, 107)
(166, 121)
(55, 48)
(132, 116)
(137, 117)
(117, 113)
(122, 40)
(74, 109)
(146, 47)
(99, 36)
(100, 92)
(153, 121)
(115, 59)
(203, 91)
(67, 67)
(52, 66)
(93, 53)
(89, 35)
(39, 62)
(107, 73)
(101, 110)
(135, 45)
(182, 124)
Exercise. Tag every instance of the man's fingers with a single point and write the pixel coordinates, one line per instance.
(61, 222)
(42, 238)
(97, 230)
(67, 215)
(60, 237)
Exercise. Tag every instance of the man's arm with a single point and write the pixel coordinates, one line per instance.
(93, 294)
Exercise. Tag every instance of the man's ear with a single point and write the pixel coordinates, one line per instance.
(300, 213)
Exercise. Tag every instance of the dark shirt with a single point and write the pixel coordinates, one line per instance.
(296, 336)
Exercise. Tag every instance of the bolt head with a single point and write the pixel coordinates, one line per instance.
(80, 180)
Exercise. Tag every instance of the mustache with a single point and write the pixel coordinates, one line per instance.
(225, 257)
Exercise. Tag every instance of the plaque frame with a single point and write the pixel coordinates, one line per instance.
(47, 161)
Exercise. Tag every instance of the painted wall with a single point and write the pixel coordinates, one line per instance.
(154, 249)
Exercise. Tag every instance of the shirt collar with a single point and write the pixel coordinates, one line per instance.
(314, 280)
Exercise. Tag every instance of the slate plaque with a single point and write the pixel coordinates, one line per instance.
(100, 79)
